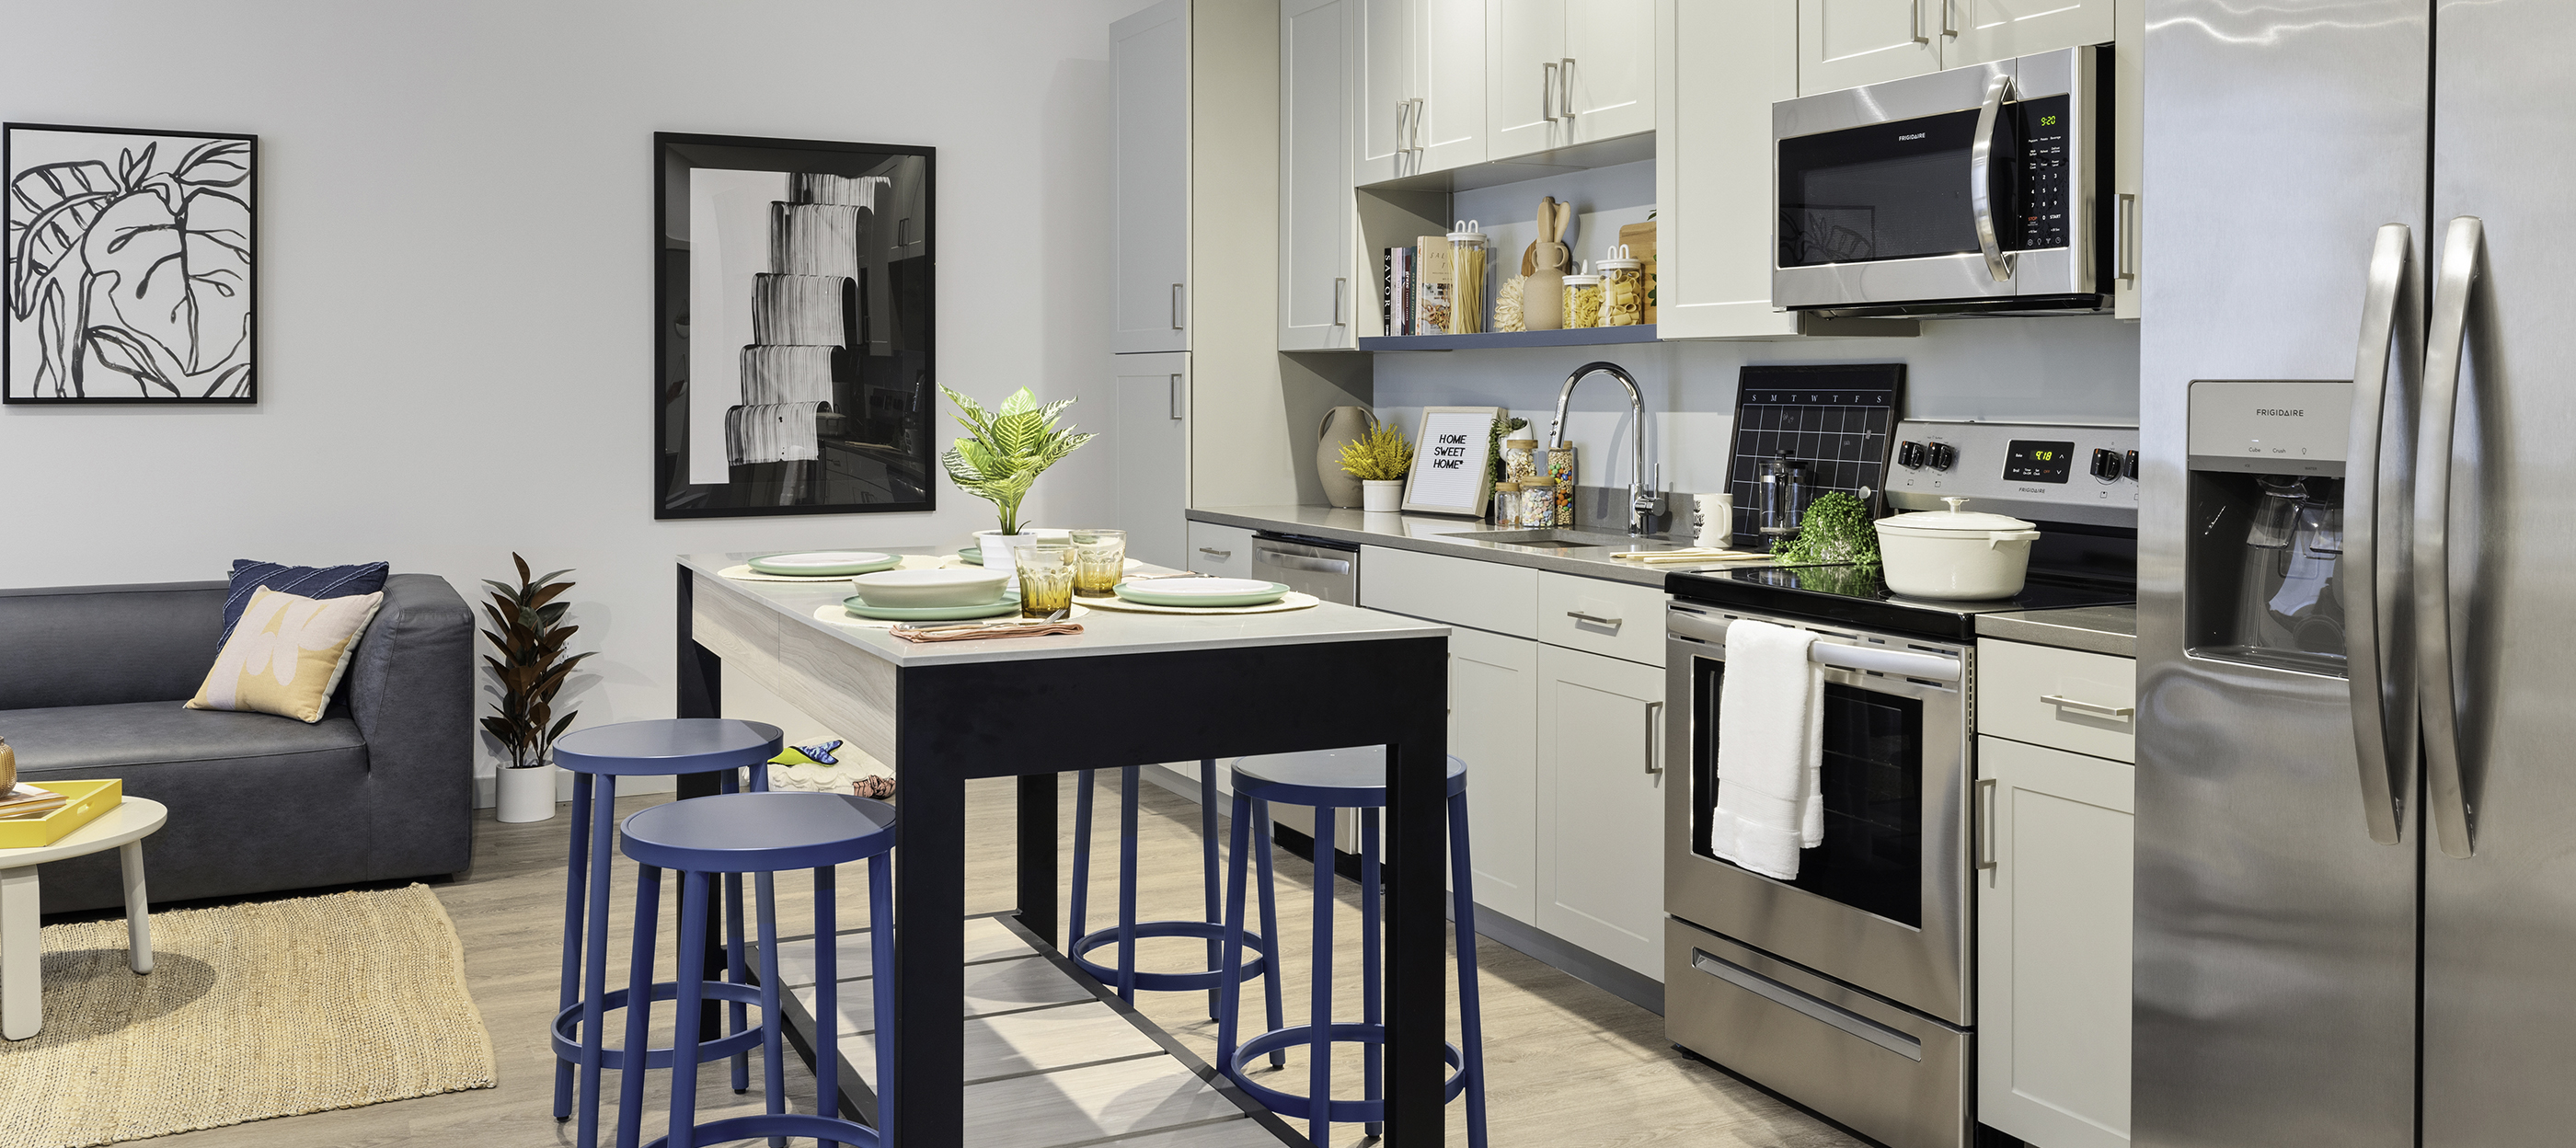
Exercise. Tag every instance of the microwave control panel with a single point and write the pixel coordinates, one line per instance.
(2054, 472)
(2043, 157)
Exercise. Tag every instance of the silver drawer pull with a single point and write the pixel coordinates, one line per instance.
(1213, 552)
(1595, 619)
(2118, 713)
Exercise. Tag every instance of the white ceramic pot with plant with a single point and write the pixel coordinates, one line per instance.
(1000, 457)
(1379, 459)
(529, 665)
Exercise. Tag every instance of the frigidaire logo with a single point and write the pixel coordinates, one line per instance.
(2283, 412)
(1915, 136)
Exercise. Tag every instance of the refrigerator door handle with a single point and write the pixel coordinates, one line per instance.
(2374, 567)
(1981, 200)
(2463, 256)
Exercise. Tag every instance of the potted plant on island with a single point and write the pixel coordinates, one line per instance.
(1000, 457)
(528, 631)
(1379, 459)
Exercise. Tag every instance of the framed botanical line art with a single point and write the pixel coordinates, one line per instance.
(131, 265)
(792, 327)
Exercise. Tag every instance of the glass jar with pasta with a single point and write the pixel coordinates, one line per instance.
(1582, 301)
(1467, 278)
(1623, 288)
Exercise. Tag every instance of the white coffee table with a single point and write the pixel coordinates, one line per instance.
(22, 997)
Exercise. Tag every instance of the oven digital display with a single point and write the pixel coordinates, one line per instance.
(2034, 461)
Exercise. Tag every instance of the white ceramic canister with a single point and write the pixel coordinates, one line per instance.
(1954, 553)
(525, 795)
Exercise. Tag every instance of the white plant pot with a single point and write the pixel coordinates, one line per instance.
(527, 794)
(997, 547)
(1382, 496)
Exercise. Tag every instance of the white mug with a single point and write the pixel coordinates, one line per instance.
(1714, 517)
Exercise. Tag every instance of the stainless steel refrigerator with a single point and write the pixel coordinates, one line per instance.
(2356, 788)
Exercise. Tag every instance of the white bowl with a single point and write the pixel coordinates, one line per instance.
(949, 586)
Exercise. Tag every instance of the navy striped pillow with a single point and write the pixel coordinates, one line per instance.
(301, 581)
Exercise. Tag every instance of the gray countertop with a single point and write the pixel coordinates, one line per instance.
(1104, 631)
(1432, 534)
(2094, 629)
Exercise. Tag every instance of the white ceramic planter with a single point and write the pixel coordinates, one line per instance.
(997, 548)
(1382, 496)
(1954, 554)
(527, 794)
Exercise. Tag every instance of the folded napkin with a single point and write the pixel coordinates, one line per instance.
(996, 630)
(1770, 750)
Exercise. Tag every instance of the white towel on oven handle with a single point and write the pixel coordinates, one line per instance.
(1770, 750)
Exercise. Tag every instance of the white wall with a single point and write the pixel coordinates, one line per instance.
(457, 279)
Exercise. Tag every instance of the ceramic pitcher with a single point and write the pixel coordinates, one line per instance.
(1340, 425)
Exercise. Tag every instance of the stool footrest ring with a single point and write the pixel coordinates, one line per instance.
(1170, 982)
(783, 1124)
(567, 1027)
(1342, 1111)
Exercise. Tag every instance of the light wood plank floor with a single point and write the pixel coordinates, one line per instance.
(1570, 1065)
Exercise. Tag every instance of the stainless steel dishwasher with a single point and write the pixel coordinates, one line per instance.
(1326, 569)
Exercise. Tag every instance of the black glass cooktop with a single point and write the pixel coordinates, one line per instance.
(1857, 596)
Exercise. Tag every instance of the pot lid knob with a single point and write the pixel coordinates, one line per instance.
(1955, 504)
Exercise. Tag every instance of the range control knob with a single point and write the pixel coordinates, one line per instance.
(2129, 469)
(2106, 465)
(1909, 454)
(1941, 455)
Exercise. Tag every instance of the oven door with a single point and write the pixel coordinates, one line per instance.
(1883, 904)
(1884, 198)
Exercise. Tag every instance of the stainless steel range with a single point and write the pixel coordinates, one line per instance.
(1850, 989)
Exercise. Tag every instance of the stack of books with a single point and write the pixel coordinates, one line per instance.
(28, 801)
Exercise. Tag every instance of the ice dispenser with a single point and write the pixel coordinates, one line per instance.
(2266, 542)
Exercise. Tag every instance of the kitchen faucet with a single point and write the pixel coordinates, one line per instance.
(1643, 498)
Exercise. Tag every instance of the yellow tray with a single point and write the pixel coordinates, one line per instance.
(89, 801)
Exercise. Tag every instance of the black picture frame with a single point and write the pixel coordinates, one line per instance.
(186, 201)
(872, 442)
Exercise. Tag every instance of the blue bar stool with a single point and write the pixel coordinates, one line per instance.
(597, 757)
(1125, 976)
(761, 833)
(1329, 786)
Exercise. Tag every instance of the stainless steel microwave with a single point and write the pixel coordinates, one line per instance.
(1977, 189)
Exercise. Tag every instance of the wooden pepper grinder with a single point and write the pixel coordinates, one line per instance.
(1543, 287)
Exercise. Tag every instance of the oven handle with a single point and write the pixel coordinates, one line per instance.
(1894, 663)
(1981, 200)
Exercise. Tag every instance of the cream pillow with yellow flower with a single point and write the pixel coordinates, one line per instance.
(287, 654)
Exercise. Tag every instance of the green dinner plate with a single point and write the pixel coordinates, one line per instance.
(766, 564)
(972, 554)
(1009, 604)
(1130, 592)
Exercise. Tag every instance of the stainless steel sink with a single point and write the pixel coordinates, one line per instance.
(1562, 540)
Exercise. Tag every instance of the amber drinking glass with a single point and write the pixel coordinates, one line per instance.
(1099, 561)
(1046, 577)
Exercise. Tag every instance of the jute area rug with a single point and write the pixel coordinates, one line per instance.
(251, 1011)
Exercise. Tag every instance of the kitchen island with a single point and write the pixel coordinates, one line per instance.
(1131, 689)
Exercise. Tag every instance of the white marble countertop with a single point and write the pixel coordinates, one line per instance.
(1105, 632)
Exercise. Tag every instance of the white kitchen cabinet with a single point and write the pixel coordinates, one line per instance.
(1420, 72)
(1990, 30)
(1600, 806)
(1222, 551)
(2128, 150)
(1847, 43)
(1149, 64)
(2055, 853)
(1383, 89)
(1152, 434)
(1722, 65)
(1459, 591)
(1493, 727)
(1560, 72)
(1319, 284)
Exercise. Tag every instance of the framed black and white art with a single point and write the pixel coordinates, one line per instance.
(132, 266)
(792, 318)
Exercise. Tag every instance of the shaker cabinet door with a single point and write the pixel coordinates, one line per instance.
(1847, 43)
(1525, 51)
(1608, 88)
(1720, 65)
(1319, 289)
(1493, 727)
(1990, 30)
(1601, 806)
(1152, 436)
(1385, 85)
(1150, 158)
(2053, 901)
(1449, 40)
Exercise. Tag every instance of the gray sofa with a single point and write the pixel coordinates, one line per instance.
(91, 684)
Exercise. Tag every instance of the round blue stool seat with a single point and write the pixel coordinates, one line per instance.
(1329, 785)
(596, 757)
(759, 833)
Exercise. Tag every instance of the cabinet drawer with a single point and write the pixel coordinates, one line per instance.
(1617, 619)
(2067, 699)
(1459, 591)
(1225, 551)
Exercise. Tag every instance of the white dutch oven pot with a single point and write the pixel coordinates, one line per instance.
(1954, 554)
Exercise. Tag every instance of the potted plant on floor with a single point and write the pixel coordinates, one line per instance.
(1380, 460)
(1000, 457)
(528, 631)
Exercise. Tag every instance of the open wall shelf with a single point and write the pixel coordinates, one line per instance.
(1578, 337)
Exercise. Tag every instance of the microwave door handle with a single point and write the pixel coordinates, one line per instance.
(2374, 562)
(1981, 199)
(2463, 254)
